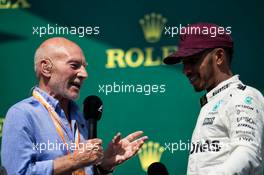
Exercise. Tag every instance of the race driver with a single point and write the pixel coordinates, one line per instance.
(228, 137)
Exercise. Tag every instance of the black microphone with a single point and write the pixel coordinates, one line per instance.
(3, 171)
(157, 168)
(92, 111)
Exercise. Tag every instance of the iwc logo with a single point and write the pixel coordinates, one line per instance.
(1, 126)
(10, 4)
(149, 153)
(152, 28)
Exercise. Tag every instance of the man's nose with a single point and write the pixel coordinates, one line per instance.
(82, 73)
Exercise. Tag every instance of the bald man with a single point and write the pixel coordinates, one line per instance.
(46, 133)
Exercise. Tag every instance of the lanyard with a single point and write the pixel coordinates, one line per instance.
(59, 126)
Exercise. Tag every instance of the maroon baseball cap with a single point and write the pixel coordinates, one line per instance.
(198, 37)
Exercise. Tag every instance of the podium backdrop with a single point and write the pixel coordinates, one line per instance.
(124, 43)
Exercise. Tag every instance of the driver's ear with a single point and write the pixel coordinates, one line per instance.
(46, 67)
(219, 55)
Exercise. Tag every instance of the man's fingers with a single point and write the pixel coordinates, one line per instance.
(98, 149)
(95, 141)
(117, 138)
(134, 135)
(139, 142)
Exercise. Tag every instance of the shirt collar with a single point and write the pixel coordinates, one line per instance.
(219, 88)
(51, 100)
(74, 109)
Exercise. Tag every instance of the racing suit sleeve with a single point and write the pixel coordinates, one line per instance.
(243, 119)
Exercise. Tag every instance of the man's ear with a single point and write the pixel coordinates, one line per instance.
(219, 55)
(46, 67)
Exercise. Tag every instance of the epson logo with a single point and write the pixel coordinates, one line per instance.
(244, 106)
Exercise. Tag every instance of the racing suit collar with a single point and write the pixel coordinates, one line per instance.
(219, 88)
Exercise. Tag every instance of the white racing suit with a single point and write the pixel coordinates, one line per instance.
(228, 137)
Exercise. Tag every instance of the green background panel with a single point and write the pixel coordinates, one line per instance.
(165, 117)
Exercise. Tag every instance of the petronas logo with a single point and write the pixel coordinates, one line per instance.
(152, 25)
(149, 153)
(1, 126)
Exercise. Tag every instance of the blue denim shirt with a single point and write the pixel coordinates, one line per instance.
(30, 141)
